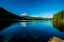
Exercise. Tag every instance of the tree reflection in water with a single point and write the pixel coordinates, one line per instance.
(58, 25)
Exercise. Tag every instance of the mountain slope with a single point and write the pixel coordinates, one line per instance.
(4, 14)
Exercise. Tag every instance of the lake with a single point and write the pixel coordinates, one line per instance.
(42, 28)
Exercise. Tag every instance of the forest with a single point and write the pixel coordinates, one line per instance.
(59, 16)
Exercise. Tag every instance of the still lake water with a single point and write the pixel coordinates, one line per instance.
(42, 28)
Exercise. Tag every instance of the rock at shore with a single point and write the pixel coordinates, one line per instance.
(31, 36)
(55, 39)
(9, 38)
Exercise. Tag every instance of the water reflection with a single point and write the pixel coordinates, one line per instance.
(43, 29)
(6, 23)
(23, 24)
(31, 22)
(59, 25)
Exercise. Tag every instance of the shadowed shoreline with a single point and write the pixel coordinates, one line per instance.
(6, 23)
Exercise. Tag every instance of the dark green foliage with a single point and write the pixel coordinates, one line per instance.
(34, 18)
(47, 18)
(59, 15)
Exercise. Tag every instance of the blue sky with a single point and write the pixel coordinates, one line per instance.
(41, 8)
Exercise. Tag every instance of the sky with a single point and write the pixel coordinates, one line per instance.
(40, 8)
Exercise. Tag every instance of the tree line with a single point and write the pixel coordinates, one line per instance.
(59, 16)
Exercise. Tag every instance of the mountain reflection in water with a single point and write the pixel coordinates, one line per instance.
(6, 23)
(25, 23)
(23, 31)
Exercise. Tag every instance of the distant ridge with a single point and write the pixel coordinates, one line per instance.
(4, 14)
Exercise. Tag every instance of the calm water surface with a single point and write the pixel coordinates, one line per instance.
(41, 28)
